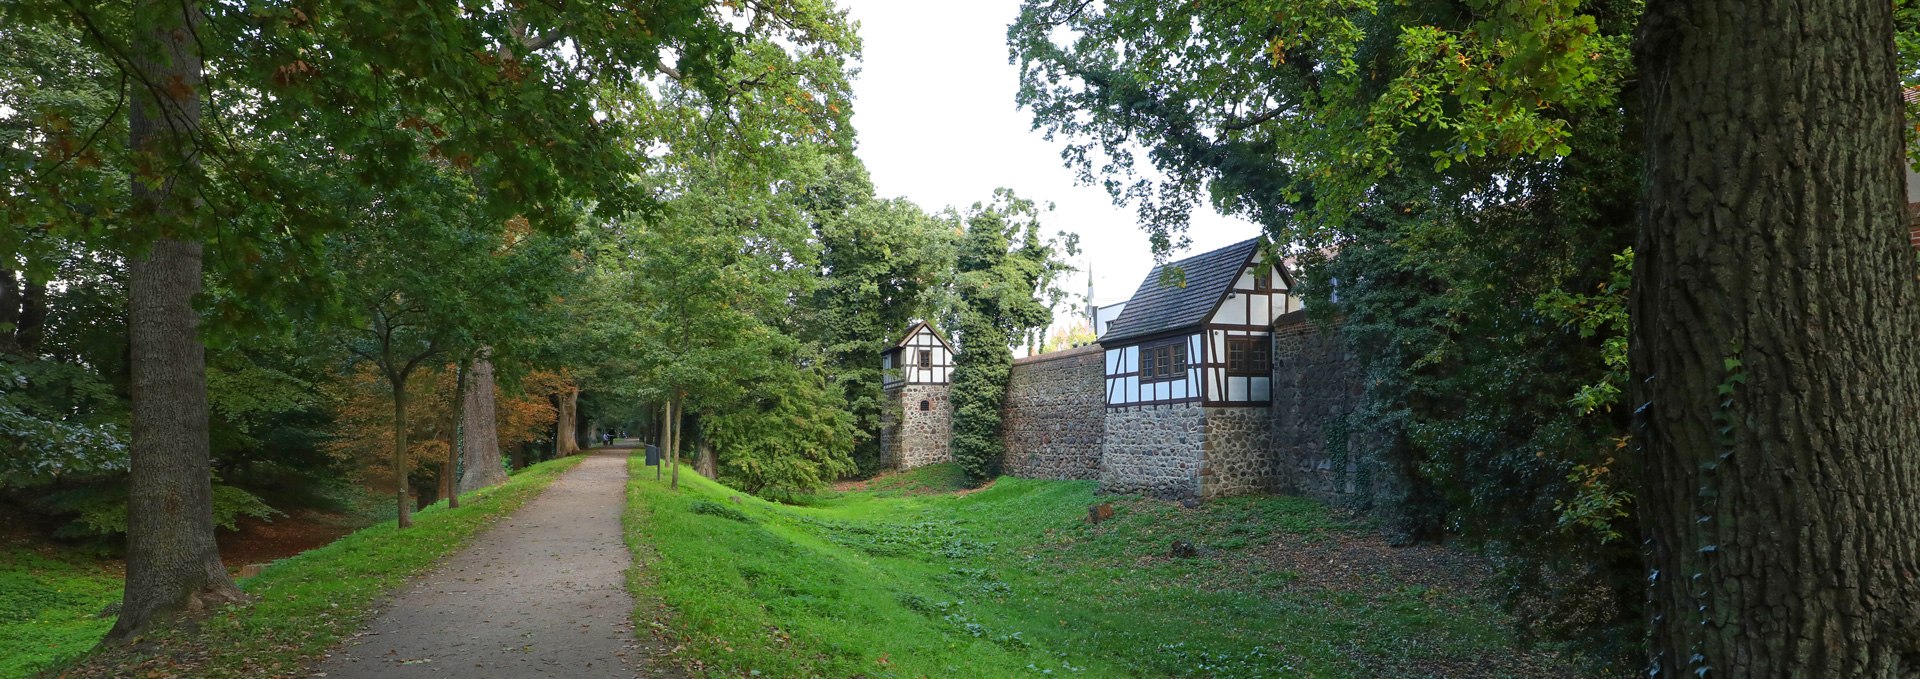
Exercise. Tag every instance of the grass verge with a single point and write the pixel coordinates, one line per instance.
(1011, 581)
(302, 605)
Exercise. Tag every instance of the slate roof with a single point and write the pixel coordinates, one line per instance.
(1156, 308)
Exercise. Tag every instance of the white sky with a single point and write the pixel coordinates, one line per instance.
(937, 124)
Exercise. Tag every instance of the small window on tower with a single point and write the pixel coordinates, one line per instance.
(926, 358)
(1263, 281)
(925, 405)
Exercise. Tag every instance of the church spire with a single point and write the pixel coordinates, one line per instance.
(1093, 310)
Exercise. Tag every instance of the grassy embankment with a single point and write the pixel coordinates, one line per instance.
(908, 579)
(299, 606)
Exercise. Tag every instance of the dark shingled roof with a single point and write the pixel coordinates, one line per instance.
(1157, 308)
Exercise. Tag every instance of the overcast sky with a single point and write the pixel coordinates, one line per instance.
(937, 124)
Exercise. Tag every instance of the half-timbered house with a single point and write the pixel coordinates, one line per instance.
(1188, 374)
(917, 420)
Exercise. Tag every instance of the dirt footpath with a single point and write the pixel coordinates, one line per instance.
(542, 593)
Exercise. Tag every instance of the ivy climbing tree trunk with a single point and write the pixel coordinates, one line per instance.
(1775, 308)
(173, 565)
(481, 468)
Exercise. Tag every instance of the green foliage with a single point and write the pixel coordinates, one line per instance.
(1002, 272)
(1010, 581)
(1464, 175)
(100, 510)
(59, 422)
(794, 438)
(883, 264)
(711, 508)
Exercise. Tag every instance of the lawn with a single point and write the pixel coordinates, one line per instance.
(904, 577)
(298, 607)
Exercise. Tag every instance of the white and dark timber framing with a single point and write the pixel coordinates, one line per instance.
(920, 357)
(1203, 335)
(916, 424)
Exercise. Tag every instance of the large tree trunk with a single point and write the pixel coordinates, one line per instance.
(673, 441)
(173, 564)
(481, 468)
(565, 440)
(400, 484)
(1774, 353)
(707, 463)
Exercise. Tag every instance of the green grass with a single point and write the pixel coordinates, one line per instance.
(300, 606)
(49, 606)
(1010, 581)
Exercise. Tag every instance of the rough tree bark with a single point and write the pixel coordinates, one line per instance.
(707, 463)
(173, 565)
(565, 441)
(482, 448)
(1774, 353)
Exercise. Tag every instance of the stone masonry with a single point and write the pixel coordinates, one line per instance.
(1315, 385)
(1239, 453)
(1054, 417)
(918, 437)
(1154, 450)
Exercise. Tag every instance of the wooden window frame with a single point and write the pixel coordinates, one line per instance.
(1254, 359)
(926, 358)
(1263, 280)
(1175, 353)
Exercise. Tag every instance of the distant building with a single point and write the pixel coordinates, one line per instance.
(916, 422)
(1103, 317)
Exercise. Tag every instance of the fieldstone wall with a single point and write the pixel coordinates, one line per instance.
(1154, 450)
(1315, 385)
(1054, 416)
(911, 437)
(1240, 455)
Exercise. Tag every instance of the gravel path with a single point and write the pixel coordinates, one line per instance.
(542, 593)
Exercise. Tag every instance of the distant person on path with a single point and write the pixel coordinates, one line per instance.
(606, 438)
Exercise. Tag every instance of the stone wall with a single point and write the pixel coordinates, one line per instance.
(911, 437)
(1315, 385)
(1155, 450)
(1055, 415)
(1240, 455)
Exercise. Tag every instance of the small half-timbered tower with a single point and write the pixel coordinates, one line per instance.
(1189, 376)
(916, 424)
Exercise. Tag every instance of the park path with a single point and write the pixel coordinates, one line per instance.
(541, 593)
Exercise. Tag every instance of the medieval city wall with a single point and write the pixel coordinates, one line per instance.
(1240, 455)
(1154, 450)
(1056, 426)
(1054, 415)
(1315, 386)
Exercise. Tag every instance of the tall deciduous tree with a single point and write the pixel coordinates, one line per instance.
(172, 562)
(1003, 271)
(1774, 356)
(508, 89)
